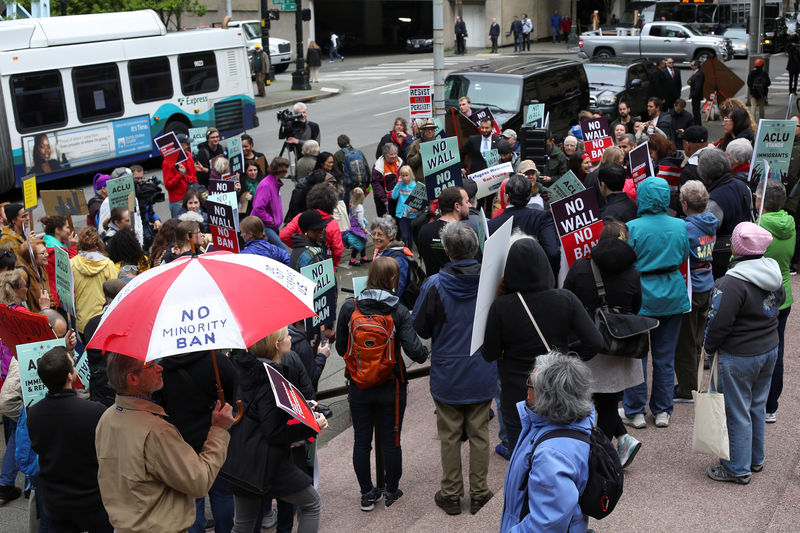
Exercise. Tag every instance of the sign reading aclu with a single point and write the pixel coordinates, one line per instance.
(441, 165)
(324, 293)
(774, 142)
(578, 224)
(74, 147)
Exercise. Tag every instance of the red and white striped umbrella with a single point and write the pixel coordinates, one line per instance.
(217, 300)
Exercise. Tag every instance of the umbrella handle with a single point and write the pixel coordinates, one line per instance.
(239, 412)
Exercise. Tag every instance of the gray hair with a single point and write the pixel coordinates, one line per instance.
(386, 224)
(695, 194)
(712, 164)
(631, 138)
(563, 388)
(739, 151)
(774, 196)
(221, 165)
(299, 107)
(389, 147)
(571, 138)
(310, 147)
(459, 240)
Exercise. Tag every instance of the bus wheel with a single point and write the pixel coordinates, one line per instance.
(177, 126)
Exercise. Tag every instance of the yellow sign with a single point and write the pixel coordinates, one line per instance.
(29, 190)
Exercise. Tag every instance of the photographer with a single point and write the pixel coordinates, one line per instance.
(297, 128)
(148, 193)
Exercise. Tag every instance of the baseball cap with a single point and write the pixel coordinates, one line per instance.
(509, 134)
(525, 166)
(695, 134)
(503, 147)
(311, 220)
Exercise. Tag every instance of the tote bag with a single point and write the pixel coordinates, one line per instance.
(710, 433)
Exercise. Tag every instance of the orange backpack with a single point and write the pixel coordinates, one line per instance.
(371, 354)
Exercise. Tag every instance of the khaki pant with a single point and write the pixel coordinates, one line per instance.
(450, 420)
(758, 104)
(313, 74)
(260, 83)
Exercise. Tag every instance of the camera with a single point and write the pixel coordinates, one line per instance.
(291, 126)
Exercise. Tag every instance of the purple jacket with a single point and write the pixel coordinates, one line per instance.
(267, 204)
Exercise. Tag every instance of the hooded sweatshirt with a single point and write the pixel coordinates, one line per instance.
(743, 319)
(661, 245)
(781, 249)
(266, 249)
(702, 230)
(90, 270)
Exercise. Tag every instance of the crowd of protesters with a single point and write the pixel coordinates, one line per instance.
(164, 445)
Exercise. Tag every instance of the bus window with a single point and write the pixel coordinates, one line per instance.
(150, 79)
(198, 73)
(97, 91)
(706, 13)
(38, 100)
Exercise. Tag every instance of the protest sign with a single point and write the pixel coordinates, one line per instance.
(324, 293)
(83, 370)
(64, 203)
(221, 186)
(420, 101)
(567, 185)
(640, 164)
(481, 114)
(535, 115)
(441, 165)
(418, 198)
(229, 199)
(489, 179)
(19, 326)
(359, 284)
(596, 137)
(774, 142)
(33, 389)
(483, 229)
(492, 157)
(170, 148)
(578, 224)
(440, 133)
(235, 155)
(29, 192)
(122, 193)
(196, 137)
(221, 221)
(291, 400)
(495, 251)
(64, 282)
(763, 187)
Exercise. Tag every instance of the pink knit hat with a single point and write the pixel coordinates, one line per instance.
(750, 239)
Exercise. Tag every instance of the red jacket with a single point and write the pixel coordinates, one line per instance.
(333, 235)
(174, 181)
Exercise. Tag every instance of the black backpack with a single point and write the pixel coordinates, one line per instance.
(760, 86)
(416, 276)
(604, 486)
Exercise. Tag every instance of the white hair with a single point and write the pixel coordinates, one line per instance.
(299, 107)
(739, 151)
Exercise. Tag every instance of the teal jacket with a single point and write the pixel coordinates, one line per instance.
(662, 247)
(781, 249)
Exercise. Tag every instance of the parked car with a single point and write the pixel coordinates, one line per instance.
(280, 50)
(614, 79)
(775, 35)
(656, 40)
(508, 86)
(419, 44)
(739, 41)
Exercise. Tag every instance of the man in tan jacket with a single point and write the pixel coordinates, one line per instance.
(149, 477)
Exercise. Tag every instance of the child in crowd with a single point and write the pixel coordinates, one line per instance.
(356, 237)
(405, 214)
(193, 203)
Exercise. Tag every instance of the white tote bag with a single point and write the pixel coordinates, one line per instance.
(710, 424)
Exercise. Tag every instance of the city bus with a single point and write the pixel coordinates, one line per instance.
(90, 92)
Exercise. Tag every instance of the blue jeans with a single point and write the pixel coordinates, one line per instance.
(555, 34)
(175, 208)
(273, 238)
(776, 387)
(745, 383)
(406, 235)
(517, 42)
(8, 474)
(335, 52)
(221, 508)
(663, 341)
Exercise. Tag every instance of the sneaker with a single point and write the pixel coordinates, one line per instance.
(771, 418)
(718, 473)
(637, 421)
(757, 468)
(680, 398)
(451, 506)
(391, 497)
(354, 262)
(627, 448)
(9, 493)
(502, 452)
(365, 259)
(475, 504)
(269, 520)
(662, 420)
(368, 500)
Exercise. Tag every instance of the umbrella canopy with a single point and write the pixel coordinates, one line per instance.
(218, 300)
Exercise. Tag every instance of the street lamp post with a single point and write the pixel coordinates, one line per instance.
(572, 39)
(300, 80)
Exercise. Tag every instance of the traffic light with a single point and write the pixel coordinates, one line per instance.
(533, 144)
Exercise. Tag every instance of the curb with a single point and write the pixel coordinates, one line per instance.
(303, 98)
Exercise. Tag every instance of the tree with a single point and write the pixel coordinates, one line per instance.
(170, 11)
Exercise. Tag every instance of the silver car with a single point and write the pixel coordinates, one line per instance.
(739, 39)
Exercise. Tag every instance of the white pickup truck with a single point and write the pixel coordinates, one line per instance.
(656, 40)
(280, 50)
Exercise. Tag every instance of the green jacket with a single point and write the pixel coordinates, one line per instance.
(556, 163)
(781, 249)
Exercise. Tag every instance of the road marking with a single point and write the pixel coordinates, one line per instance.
(391, 111)
(381, 87)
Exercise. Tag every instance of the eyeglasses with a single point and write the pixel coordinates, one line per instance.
(727, 119)
(378, 234)
(148, 364)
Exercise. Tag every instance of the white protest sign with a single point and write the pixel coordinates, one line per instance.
(420, 101)
(495, 251)
(489, 179)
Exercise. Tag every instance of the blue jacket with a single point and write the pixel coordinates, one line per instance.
(702, 230)
(266, 249)
(557, 475)
(444, 311)
(661, 244)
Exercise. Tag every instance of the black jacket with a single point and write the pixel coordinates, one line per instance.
(190, 392)
(734, 199)
(494, 30)
(615, 259)
(313, 363)
(658, 81)
(430, 246)
(536, 223)
(297, 202)
(204, 156)
(696, 82)
(461, 29)
(673, 86)
(619, 206)
(473, 148)
(679, 122)
(758, 72)
(62, 429)
(101, 390)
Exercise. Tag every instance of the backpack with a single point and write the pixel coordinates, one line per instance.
(415, 276)
(27, 459)
(604, 485)
(760, 87)
(354, 168)
(372, 352)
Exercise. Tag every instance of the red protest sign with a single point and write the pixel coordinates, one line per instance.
(481, 114)
(288, 398)
(596, 137)
(597, 147)
(640, 164)
(578, 224)
(18, 326)
(222, 222)
(169, 146)
(420, 101)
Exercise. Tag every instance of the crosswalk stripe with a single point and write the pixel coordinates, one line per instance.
(381, 87)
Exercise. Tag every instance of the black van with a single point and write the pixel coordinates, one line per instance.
(507, 86)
